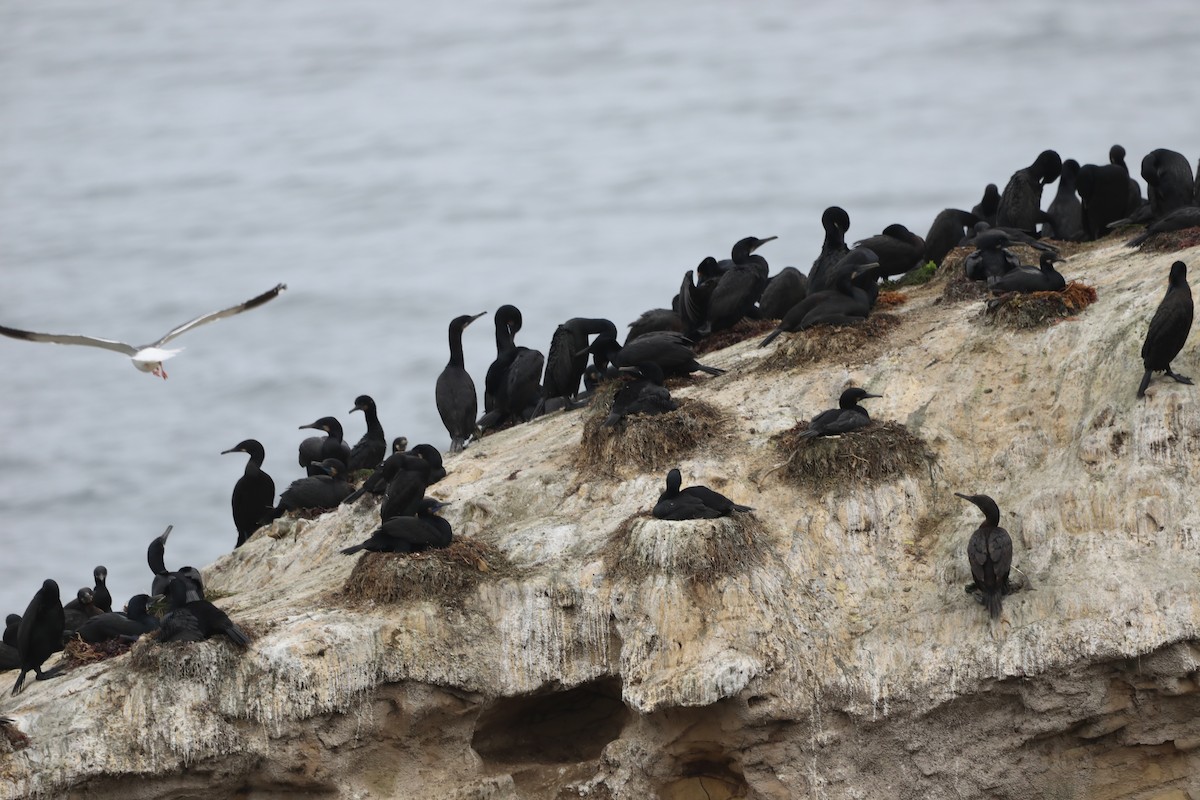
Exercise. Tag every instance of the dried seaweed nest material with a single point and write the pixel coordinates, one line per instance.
(646, 441)
(700, 550)
(78, 653)
(891, 299)
(743, 330)
(1171, 241)
(1038, 309)
(12, 739)
(442, 575)
(881, 451)
(191, 661)
(828, 342)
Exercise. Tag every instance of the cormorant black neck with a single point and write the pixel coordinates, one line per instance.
(991, 511)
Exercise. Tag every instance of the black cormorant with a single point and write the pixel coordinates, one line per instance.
(671, 351)
(100, 594)
(196, 620)
(11, 624)
(1065, 210)
(656, 319)
(898, 249)
(1044, 278)
(567, 358)
(949, 227)
(322, 491)
(318, 448)
(1169, 181)
(40, 633)
(694, 502)
(784, 289)
(1168, 329)
(372, 447)
(409, 534)
(740, 286)
(643, 395)
(1103, 195)
(455, 391)
(848, 416)
(1177, 220)
(253, 498)
(985, 209)
(1021, 200)
(836, 222)
(115, 625)
(409, 477)
(990, 553)
(79, 610)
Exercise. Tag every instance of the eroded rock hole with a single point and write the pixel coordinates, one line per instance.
(557, 728)
(710, 778)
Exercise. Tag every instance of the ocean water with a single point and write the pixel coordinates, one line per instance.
(399, 164)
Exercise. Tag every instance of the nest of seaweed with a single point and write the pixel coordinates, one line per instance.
(1171, 241)
(645, 442)
(890, 299)
(743, 330)
(442, 576)
(701, 551)
(191, 661)
(828, 342)
(1039, 309)
(12, 739)
(78, 653)
(879, 452)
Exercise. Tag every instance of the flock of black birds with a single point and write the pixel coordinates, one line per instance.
(840, 288)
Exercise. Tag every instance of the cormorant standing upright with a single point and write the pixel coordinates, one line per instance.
(848, 416)
(1169, 181)
(985, 209)
(455, 391)
(836, 222)
(1065, 210)
(740, 286)
(1168, 329)
(40, 633)
(567, 358)
(1021, 200)
(253, 498)
(372, 447)
(949, 227)
(316, 449)
(1104, 197)
(100, 594)
(990, 553)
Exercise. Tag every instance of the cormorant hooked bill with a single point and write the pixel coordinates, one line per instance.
(455, 391)
(253, 497)
(372, 447)
(316, 449)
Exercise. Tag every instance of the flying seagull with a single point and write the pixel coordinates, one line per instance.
(149, 357)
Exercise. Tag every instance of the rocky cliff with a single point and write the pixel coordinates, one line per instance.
(821, 647)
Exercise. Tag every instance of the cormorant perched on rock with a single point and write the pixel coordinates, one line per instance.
(316, 449)
(643, 395)
(115, 625)
(836, 222)
(1021, 200)
(848, 416)
(986, 208)
(656, 319)
(691, 304)
(409, 476)
(455, 391)
(990, 553)
(155, 559)
(1065, 210)
(848, 302)
(322, 491)
(253, 498)
(1169, 181)
(376, 483)
(694, 502)
(1044, 278)
(196, 620)
(949, 227)
(1168, 329)
(12, 624)
(372, 447)
(79, 610)
(991, 258)
(671, 351)
(897, 248)
(784, 289)
(1104, 197)
(1134, 201)
(740, 286)
(101, 597)
(512, 386)
(1177, 220)
(568, 357)
(40, 633)
(409, 534)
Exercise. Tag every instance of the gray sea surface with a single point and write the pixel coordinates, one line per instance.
(399, 164)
